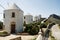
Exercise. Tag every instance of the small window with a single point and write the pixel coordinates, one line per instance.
(24, 23)
(4, 15)
(13, 14)
(24, 17)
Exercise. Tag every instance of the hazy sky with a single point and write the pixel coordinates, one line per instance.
(34, 7)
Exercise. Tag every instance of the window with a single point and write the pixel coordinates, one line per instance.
(13, 14)
(24, 23)
(24, 17)
(4, 15)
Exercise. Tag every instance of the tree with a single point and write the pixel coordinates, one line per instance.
(32, 29)
(43, 25)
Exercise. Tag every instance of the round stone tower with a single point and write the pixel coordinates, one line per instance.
(13, 19)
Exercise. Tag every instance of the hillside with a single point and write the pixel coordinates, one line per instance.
(53, 18)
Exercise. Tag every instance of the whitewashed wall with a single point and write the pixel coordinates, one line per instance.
(18, 19)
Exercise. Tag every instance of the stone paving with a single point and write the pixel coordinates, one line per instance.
(28, 37)
(9, 37)
(23, 37)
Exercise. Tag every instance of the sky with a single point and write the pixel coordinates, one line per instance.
(33, 7)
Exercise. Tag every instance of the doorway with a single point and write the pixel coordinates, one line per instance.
(13, 28)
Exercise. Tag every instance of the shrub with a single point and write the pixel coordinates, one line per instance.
(5, 32)
(43, 25)
(1, 33)
(32, 29)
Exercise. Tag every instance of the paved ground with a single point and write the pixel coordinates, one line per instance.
(9, 37)
(39, 37)
(23, 37)
(28, 37)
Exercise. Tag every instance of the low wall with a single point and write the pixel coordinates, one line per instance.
(18, 38)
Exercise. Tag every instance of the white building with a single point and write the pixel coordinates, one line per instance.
(28, 19)
(13, 19)
(37, 18)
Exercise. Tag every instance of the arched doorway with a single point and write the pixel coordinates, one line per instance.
(13, 27)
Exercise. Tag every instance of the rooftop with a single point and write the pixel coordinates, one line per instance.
(13, 6)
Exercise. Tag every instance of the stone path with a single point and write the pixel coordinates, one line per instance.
(9, 37)
(23, 37)
(39, 37)
(28, 37)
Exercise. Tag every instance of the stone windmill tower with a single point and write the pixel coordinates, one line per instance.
(13, 19)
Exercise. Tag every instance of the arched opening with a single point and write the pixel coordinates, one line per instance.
(13, 25)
